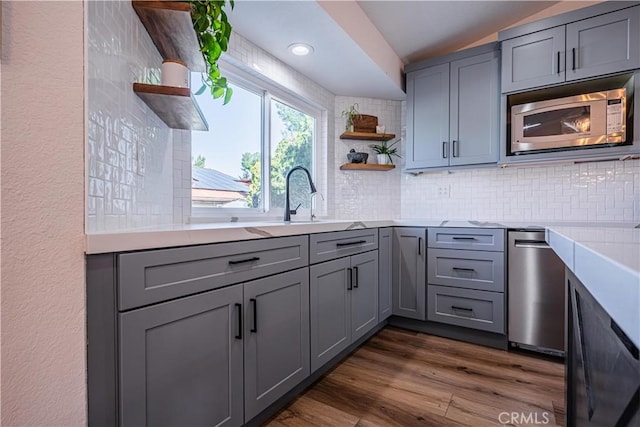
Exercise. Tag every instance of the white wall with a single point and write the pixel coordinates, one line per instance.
(130, 150)
(594, 192)
(43, 286)
(366, 194)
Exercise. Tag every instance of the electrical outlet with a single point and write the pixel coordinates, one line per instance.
(444, 191)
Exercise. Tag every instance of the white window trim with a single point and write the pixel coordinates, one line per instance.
(269, 91)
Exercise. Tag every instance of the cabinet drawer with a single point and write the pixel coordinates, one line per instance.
(328, 246)
(477, 239)
(465, 307)
(154, 276)
(467, 269)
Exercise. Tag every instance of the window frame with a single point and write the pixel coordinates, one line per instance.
(268, 91)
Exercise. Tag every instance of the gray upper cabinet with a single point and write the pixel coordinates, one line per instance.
(604, 44)
(533, 60)
(276, 342)
(428, 117)
(579, 49)
(344, 304)
(181, 362)
(453, 111)
(475, 93)
(409, 272)
(385, 274)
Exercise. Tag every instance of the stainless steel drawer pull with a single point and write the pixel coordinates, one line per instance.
(242, 261)
(470, 270)
(531, 244)
(357, 242)
(463, 238)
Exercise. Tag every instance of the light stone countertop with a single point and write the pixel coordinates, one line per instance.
(607, 261)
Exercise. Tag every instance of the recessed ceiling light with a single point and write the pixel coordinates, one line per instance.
(300, 49)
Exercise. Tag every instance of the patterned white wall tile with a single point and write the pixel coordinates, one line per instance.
(130, 179)
(366, 194)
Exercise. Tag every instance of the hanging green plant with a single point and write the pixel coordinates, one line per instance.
(213, 31)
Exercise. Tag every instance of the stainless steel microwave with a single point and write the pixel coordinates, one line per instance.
(584, 120)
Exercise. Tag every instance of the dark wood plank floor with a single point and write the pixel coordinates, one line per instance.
(404, 378)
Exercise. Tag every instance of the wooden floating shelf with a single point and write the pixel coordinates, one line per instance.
(367, 136)
(174, 105)
(366, 167)
(170, 27)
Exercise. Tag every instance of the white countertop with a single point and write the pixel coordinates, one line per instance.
(607, 261)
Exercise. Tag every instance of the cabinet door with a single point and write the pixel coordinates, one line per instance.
(604, 44)
(385, 244)
(409, 268)
(330, 284)
(604, 370)
(276, 342)
(533, 60)
(475, 93)
(428, 117)
(364, 296)
(181, 362)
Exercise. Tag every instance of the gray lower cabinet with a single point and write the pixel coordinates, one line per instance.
(603, 367)
(276, 338)
(481, 270)
(409, 272)
(343, 304)
(181, 362)
(385, 273)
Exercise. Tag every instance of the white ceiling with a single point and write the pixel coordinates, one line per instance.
(415, 30)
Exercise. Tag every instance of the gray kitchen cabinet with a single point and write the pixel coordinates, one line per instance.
(474, 112)
(466, 276)
(181, 362)
(585, 48)
(603, 367)
(343, 304)
(409, 272)
(453, 110)
(428, 117)
(533, 60)
(385, 273)
(276, 338)
(604, 44)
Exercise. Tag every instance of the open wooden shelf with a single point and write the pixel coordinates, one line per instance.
(367, 136)
(170, 27)
(366, 167)
(174, 105)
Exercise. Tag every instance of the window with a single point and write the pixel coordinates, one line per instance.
(241, 163)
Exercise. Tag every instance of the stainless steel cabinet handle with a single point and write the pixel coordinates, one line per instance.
(531, 244)
(470, 270)
(463, 238)
(349, 279)
(573, 58)
(558, 62)
(242, 261)
(444, 149)
(464, 309)
(456, 150)
(419, 245)
(357, 242)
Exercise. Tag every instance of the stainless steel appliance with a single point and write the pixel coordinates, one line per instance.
(536, 294)
(583, 120)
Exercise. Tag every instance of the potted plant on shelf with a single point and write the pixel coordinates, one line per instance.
(350, 113)
(384, 151)
(213, 31)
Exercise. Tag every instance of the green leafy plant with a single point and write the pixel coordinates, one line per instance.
(213, 31)
(387, 149)
(350, 113)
